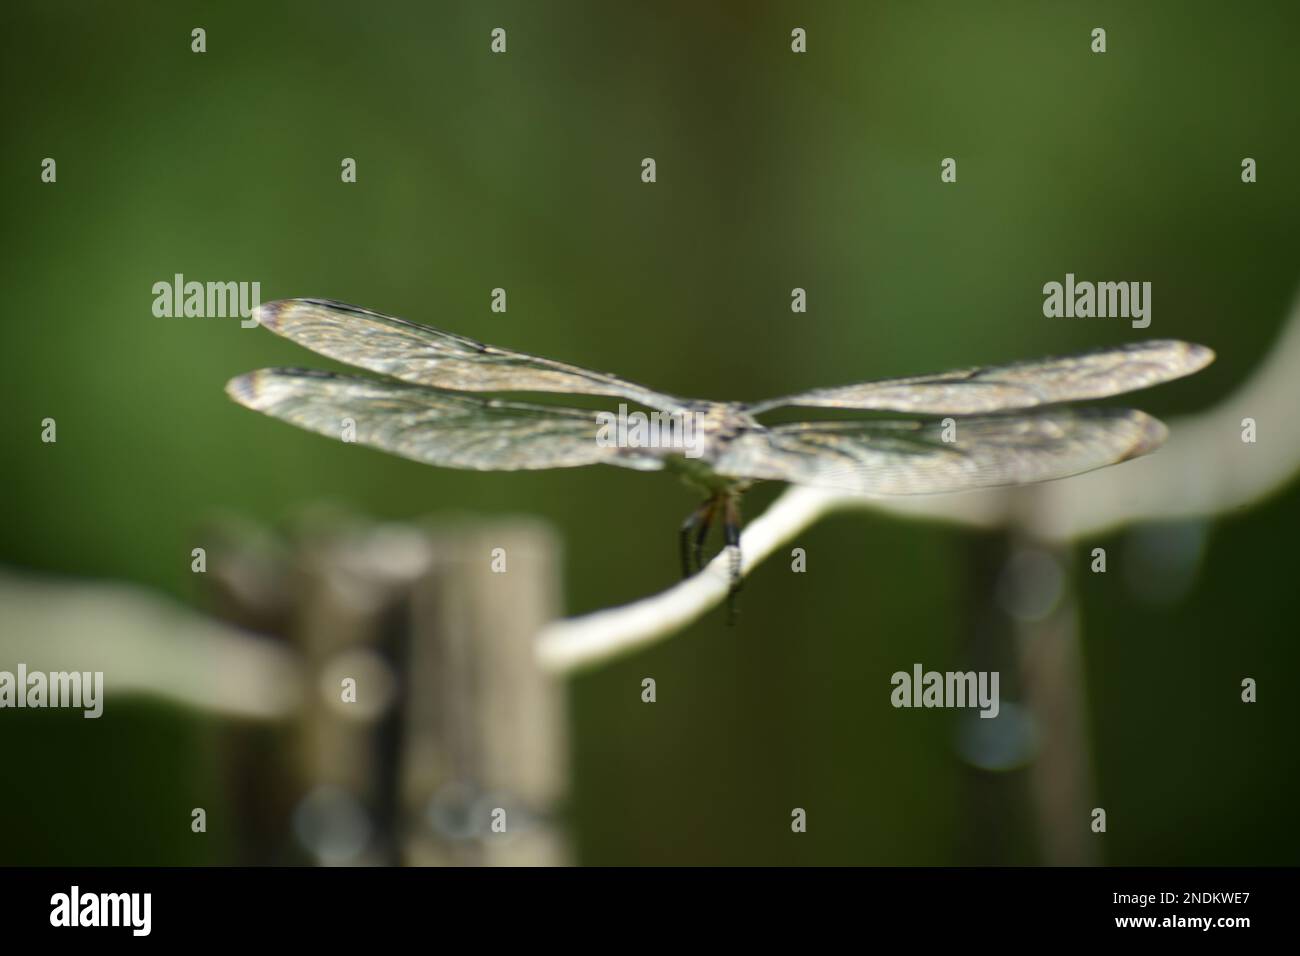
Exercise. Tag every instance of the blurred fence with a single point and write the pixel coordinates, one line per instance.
(398, 657)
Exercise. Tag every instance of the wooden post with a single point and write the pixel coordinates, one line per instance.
(428, 735)
(485, 755)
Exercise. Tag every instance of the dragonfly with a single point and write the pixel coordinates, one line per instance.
(929, 434)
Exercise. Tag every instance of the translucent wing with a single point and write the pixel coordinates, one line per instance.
(427, 356)
(438, 428)
(976, 391)
(911, 457)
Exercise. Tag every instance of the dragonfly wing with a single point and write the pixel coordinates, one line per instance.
(912, 457)
(437, 428)
(977, 391)
(427, 356)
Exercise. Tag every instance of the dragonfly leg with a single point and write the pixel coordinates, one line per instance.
(698, 521)
(731, 525)
(709, 509)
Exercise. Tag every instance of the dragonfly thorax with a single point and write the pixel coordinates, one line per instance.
(713, 427)
(723, 421)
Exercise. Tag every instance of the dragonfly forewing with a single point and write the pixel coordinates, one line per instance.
(978, 391)
(427, 356)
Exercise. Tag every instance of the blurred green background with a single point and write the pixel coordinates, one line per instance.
(775, 170)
